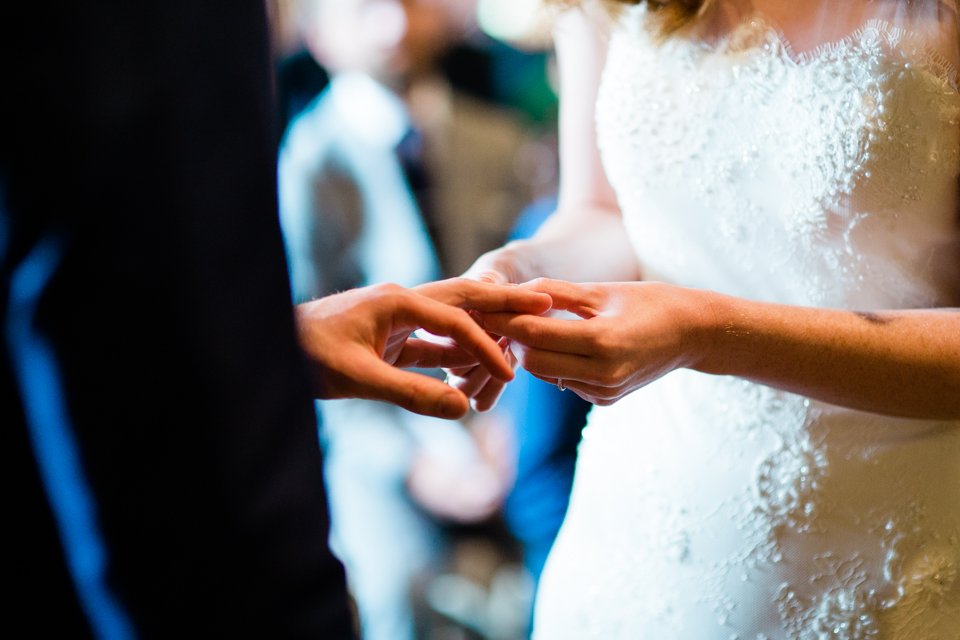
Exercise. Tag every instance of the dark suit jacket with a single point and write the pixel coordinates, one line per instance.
(169, 472)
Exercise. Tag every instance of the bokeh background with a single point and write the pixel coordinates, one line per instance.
(443, 527)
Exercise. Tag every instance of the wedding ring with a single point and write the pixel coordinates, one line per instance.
(560, 384)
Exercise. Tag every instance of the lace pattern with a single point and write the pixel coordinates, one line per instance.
(715, 508)
(834, 130)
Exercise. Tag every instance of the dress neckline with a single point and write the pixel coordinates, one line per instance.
(759, 32)
(930, 59)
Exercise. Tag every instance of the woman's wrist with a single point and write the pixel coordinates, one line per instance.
(708, 323)
(508, 264)
(735, 336)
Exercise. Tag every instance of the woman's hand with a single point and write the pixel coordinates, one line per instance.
(585, 241)
(625, 335)
(501, 266)
(506, 265)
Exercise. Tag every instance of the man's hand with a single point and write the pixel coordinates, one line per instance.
(356, 341)
(500, 266)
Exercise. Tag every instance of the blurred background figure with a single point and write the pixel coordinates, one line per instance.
(392, 121)
(299, 78)
(394, 173)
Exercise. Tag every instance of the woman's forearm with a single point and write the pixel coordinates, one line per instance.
(904, 363)
(579, 246)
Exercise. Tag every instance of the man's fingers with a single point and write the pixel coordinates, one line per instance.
(377, 380)
(431, 355)
(486, 296)
(444, 320)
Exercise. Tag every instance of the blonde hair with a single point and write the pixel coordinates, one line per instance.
(670, 16)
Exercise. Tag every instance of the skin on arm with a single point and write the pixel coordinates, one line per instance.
(356, 341)
(899, 363)
(903, 363)
(585, 238)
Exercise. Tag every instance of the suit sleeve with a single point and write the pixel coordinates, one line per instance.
(144, 267)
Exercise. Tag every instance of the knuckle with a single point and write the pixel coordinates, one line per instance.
(388, 292)
(415, 396)
(459, 289)
(606, 342)
(598, 294)
(462, 317)
(387, 288)
(533, 334)
(539, 283)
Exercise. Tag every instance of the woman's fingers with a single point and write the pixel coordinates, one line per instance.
(487, 397)
(591, 393)
(431, 355)
(551, 334)
(568, 366)
(483, 390)
(491, 276)
(585, 300)
(471, 384)
(486, 296)
(461, 372)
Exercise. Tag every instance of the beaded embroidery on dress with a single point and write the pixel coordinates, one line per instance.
(708, 507)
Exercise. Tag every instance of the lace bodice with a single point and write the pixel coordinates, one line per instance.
(829, 178)
(714, 508)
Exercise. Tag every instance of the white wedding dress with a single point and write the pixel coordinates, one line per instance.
(823, 174)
